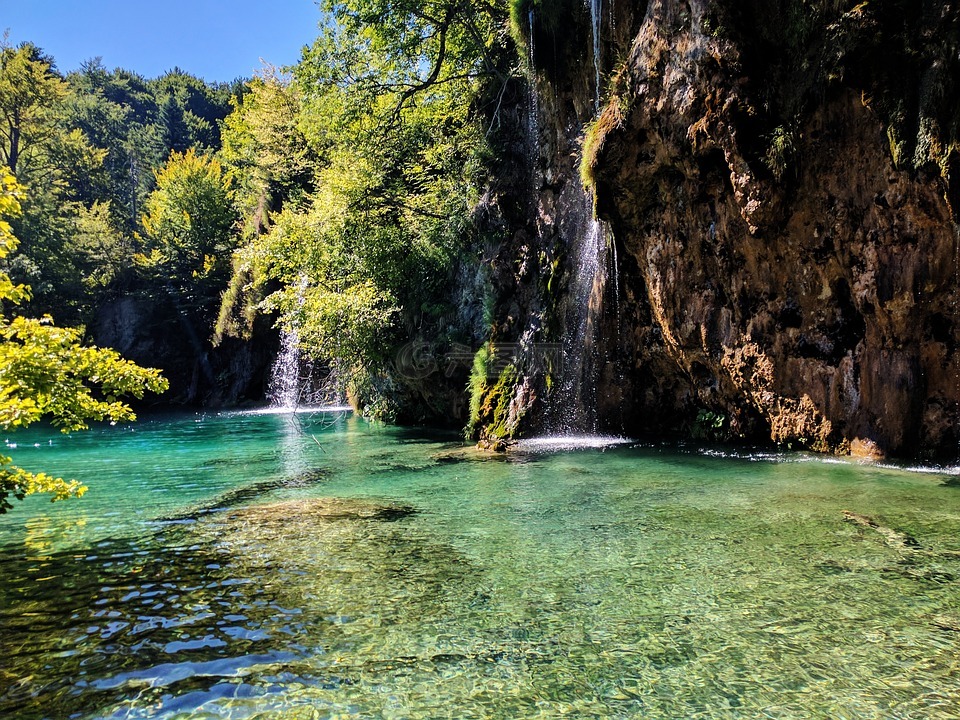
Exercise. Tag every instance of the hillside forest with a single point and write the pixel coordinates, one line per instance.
(179, 220)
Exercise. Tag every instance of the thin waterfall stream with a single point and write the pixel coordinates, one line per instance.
(596, 18)
(533, 110)
(593, 273)
(296, 380)
(285, 381)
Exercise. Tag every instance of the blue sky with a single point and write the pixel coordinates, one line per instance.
(217, 41)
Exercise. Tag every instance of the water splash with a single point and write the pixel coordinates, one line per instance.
(567, 443)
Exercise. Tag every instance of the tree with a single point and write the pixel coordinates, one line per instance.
(266, 149)
(118, 112)
(45, 372)
(387, 102)
(59, 171)
(191, 110)
(31, 96)
(190, 225)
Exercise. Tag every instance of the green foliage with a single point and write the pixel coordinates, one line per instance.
(191, 110)
(240, 303)
(190, 226)
(119, 112)
(53, 165)
(105, 253)
(357, 176)
(45, 372)
(349, 324)
(477, 387)
(137, 122)
(709, 425)
(263, 143)
(519, 11)
(85, 149)
(31, 98)
(781, 152)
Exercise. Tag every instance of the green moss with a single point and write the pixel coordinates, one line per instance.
(497, 406)
(595, 137)
(477, 387)
(519, 13)
(490, 404)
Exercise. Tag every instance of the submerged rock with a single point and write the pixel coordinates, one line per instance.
(295, 512)
(248, 493)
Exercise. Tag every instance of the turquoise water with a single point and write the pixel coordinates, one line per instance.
(266, 566)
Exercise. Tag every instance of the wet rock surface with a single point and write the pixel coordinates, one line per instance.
(778, 184)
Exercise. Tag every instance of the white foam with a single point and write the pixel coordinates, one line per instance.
(301, 410)
(806, 457)
(923, 469)
(560, 443)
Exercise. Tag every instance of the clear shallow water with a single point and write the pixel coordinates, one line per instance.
(265, 566)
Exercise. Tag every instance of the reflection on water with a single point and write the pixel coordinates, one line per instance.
(406, 578)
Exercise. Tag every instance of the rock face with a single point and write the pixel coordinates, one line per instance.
(782, 181)
(788, 271)
(155, 334)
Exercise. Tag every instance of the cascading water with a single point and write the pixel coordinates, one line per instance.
(573, 408)
(594, 275)
(296, 381)
(533, 119)
(596, 9)
(285, 384)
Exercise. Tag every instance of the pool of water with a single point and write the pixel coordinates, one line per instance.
(316, 566)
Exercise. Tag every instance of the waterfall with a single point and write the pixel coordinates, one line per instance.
(285, 383)
(296, 380)
(596, 17)
(573, 408)
(533, 110)
(592, 321)
(593, 284)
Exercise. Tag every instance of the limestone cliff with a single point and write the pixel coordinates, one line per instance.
(781, 181)
(157, 334)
